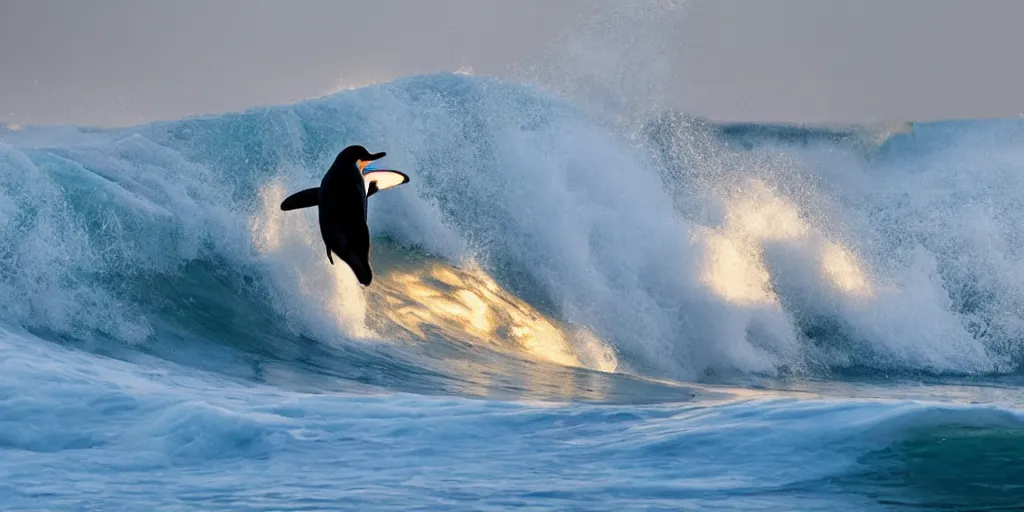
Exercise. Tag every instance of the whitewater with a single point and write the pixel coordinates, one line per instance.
(569, 312)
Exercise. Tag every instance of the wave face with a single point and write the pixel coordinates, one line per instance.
(668, 249)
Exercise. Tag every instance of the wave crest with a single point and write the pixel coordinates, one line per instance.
(673, 252)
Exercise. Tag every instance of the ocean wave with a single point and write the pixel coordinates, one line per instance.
(139, 431)
(529, 229)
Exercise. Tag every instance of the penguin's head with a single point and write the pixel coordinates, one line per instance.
(360, 156)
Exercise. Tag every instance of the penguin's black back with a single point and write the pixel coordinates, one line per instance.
(342, 213)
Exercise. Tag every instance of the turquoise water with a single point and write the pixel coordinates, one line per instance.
(660, 314)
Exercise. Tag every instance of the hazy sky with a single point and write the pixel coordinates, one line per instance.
(109, 62)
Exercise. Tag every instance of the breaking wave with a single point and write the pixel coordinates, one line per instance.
(667, 248)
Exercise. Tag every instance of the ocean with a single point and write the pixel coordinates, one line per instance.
(569, 312)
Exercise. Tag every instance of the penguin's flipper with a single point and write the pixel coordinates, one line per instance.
(384, 179)
(329, 257)
(304, 199)
(371, 189)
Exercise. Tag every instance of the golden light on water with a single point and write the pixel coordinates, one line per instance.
(433, 299)
(735, 272)
(734, 264)
(758, 214)
(840, 267)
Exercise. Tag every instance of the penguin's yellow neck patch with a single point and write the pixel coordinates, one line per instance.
(362, 164)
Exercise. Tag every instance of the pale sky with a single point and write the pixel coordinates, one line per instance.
(116, 62)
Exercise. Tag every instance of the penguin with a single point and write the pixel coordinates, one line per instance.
(341, 201)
